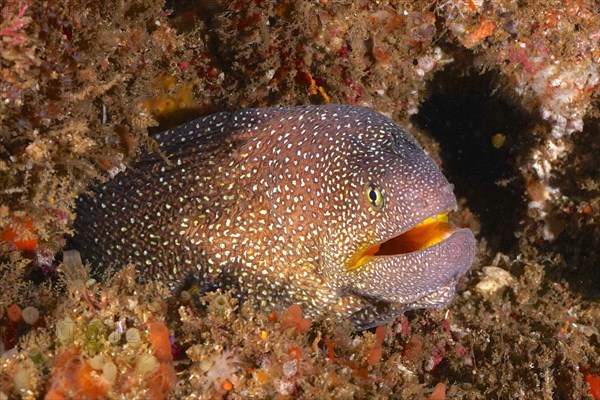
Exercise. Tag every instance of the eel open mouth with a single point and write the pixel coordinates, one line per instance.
(427, 233)
(414, 267)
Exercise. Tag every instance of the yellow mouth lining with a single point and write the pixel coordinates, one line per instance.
(427, 233)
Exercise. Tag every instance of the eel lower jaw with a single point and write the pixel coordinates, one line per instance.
(439, 298)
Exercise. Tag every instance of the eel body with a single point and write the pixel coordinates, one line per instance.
(330, 207)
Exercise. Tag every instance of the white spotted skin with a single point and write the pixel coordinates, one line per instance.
(272, 202)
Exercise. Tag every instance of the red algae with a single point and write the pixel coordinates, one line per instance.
(439, 392)
(159, 340)
(14, 313)
(161, 382)
(376, 351)
(20, 233)
(73, 377)
(594, 382)
(292, 317)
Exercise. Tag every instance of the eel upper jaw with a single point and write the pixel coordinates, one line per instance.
(418, 266)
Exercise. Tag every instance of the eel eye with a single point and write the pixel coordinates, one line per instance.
(374, 195)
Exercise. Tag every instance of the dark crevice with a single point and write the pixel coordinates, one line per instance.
(579, 244)
(463, 114)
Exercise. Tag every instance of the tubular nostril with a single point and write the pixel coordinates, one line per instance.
(420, 201)
(447, 188)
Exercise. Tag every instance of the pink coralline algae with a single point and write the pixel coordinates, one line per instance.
(550, 56)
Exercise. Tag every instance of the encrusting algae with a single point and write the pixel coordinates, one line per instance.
(215, 347)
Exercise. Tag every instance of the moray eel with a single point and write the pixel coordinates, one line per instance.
(335, 208)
